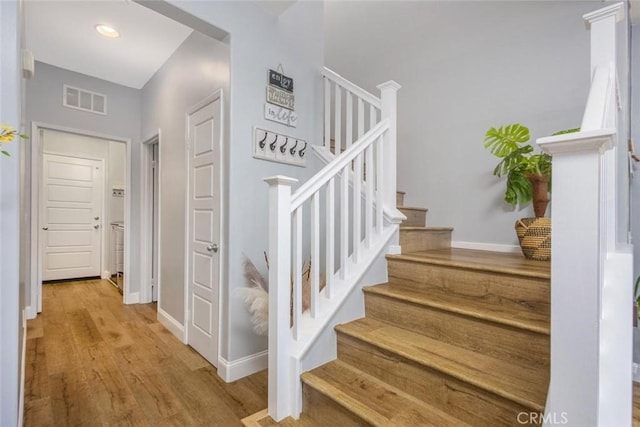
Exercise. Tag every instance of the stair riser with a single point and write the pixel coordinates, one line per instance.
(530, 294)
(326, 411)
(492, 339)
(455, 397)
(415, 217)
(399, 198)
(423, 240)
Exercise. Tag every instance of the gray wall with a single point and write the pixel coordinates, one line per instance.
(12, 286)
(44, 104)
(465, 66)
(259, 41)
(197, 68)
(635, 180)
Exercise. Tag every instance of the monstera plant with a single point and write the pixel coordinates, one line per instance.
(528, 173)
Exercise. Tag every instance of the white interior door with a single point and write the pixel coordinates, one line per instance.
(204, 133)
(70, 221)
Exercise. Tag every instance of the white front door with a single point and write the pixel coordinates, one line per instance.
(70, 219)
(203, 264)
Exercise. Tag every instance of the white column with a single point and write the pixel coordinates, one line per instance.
(576, 274)
(602, 24)
(280, 399)
(388, 97)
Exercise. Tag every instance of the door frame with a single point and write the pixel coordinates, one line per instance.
(218, 94)
(146, 233)
(35, 259)
(103, 209)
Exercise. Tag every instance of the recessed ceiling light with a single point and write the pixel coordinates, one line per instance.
(107, 31)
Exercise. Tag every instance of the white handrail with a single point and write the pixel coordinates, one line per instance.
(353, 88)
(335, 166)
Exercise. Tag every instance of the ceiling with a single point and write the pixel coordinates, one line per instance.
(62, 33)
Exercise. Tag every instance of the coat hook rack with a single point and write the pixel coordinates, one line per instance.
(281, 148)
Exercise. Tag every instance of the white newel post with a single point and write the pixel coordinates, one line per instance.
(389, 100)
(280, 399)
(576, 275)
(584, 204)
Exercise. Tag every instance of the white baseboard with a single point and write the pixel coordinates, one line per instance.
(132, 298)
(232, 371)
(175, 327)
(105, 275)
(22, 370)
(494, 247)
(636, 372)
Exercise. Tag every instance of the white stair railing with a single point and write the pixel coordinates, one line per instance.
(354, 232)
(591, 272)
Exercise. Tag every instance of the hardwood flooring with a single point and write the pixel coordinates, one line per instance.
(92, 361)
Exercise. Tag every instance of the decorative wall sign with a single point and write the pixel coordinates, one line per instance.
(281, 98)
(277, 147)
(278, 114)
(281, 81)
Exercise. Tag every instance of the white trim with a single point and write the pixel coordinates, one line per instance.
(30, 312)
(37, 153)
(232, 371)
(146, 210)
(493, 247)
(636, 372)
(218, 94)
(172, 325)
(22, 369)
(394, 250)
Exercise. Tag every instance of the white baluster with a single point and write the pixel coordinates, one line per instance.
(330, 240)
(280, 399)
(297, 270)
(368, 215)
(338, 119)
(357, 207)
(373, 116)
(344, 223)
(360, 117)
(380, 174)
(327, 114)
(315, 255)
(349, 131)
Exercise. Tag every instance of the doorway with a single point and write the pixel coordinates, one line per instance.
(80, 192)
(150, 233)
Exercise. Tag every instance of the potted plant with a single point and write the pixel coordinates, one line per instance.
(528, 176)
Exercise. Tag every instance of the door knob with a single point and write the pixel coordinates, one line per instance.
(45, 228)
(96, 226)
(212, 247)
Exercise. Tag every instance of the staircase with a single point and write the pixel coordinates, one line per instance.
(456, 337)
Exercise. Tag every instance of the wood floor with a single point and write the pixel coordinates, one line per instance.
(91, 361)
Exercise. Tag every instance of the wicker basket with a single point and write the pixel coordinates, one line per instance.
(535, 237)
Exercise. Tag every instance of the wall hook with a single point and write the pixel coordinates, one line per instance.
(292, 150)
(302, 151)
(272, 146)
(262, 142)
(283, 147)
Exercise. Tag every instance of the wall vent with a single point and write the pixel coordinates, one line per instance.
(84, 100)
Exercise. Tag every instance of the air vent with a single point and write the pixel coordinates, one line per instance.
(84, 100)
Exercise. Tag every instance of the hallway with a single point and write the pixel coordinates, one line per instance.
(90, 360)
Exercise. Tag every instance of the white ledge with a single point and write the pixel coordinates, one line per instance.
(600, 14)
(599, 140)
(280, 180)
(392, 84)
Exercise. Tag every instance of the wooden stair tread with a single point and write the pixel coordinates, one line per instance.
(492, 311)
(497, 262)
(374, 401)
(416, 228)
(412, 208)
(523, 385)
